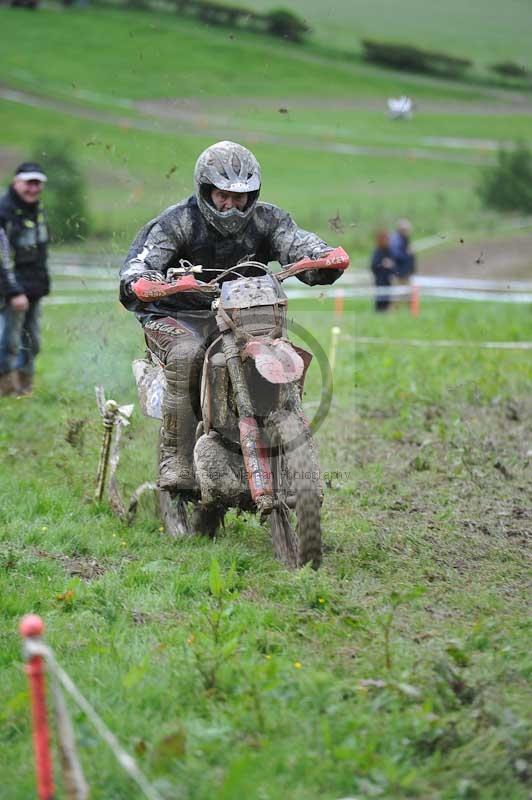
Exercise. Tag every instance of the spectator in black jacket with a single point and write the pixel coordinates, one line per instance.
(400, 245)
(24, 283)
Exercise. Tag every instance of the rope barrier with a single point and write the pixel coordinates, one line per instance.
(35, 651)
(76, 787)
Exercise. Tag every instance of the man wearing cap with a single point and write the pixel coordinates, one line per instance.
(26, 282)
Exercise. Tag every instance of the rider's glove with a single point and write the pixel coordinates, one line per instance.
(149, 275)
(320, 277)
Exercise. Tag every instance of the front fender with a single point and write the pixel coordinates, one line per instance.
(275, 359)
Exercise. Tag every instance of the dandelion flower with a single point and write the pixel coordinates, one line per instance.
(298, 664)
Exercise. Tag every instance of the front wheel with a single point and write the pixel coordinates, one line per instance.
(295, 518)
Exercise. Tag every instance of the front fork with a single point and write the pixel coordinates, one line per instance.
(253, 450)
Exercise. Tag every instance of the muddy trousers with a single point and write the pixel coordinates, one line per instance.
(180, 347)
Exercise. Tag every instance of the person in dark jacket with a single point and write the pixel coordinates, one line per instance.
(221, 224)
(383, 266)
(24, 283)
(401, 248)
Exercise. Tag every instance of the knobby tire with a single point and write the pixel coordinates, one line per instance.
(295, 520)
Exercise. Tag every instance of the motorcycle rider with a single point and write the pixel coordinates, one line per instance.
(221, 224)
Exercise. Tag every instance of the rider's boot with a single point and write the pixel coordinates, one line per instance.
(175, 460)
(207, 521)
(9, 385)
(25, 383)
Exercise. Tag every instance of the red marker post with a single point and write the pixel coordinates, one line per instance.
(414, 301)
(339, 298)
(31, 628)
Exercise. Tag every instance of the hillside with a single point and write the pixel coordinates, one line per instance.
(484, 30)
(319, 125)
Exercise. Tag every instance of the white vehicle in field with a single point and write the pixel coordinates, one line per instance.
(400, 107)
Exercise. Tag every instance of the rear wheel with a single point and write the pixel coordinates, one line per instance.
(295, 519)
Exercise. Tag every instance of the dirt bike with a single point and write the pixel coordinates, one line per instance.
(254, 449)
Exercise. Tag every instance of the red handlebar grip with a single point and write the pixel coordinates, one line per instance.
(147, 290)
(335, 259)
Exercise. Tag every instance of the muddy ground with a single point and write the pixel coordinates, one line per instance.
(501, 258)
(475, 481)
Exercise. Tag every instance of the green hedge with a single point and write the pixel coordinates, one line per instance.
(508, 185)
(414, 59)
(280, 22)
(286, 24)
(509, 69)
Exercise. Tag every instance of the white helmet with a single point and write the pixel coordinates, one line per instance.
(232, 168)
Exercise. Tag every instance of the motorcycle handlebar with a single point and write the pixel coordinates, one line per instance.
(147, 290)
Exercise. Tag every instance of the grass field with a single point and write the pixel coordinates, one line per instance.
(128, 182)
(399, 670)
(158, 55)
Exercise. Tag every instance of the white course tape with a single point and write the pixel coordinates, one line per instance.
(404, 291)
(442, 343)
(127, 762)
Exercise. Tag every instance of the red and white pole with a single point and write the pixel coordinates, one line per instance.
(31, 627)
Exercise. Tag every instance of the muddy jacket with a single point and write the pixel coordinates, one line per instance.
(181, 232)
(27, 232)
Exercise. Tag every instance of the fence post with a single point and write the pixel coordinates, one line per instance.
(31, 627)
(414, 301)
(109, 419)
(339, 297)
